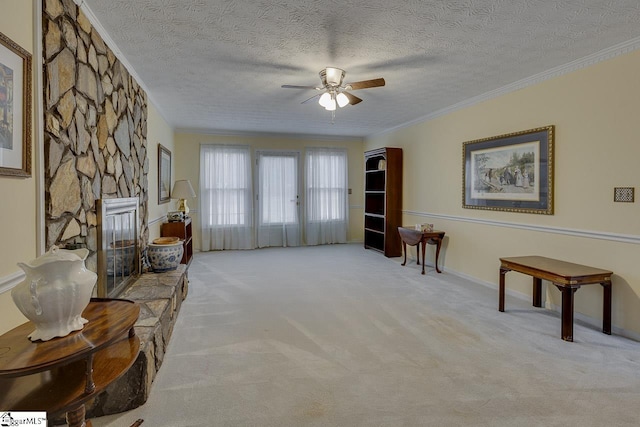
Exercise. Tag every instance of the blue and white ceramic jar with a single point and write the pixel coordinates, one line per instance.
(165, 257)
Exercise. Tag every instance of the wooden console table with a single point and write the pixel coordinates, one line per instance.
(58, 376)
(567, 277)
(415, 238)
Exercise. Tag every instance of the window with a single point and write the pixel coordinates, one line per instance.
(278, 188)
(226, 197)
(326, 198)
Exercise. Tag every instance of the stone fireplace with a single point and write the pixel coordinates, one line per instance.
(96, 185)
(95, 138)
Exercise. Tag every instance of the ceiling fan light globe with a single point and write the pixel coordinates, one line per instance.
(331, 105)
(342, 99)
(325, 99)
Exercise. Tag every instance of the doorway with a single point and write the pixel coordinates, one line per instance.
(278, 200)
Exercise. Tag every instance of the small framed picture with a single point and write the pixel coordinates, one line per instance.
(15, 109)
(164, 174)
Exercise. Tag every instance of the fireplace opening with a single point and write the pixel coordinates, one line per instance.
(118, 249)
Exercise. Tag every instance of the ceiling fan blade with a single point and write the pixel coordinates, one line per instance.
(298, 87)
(353, 100)
(311, 99)
(366, 84)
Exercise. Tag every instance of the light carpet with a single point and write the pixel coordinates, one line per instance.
(338, 335)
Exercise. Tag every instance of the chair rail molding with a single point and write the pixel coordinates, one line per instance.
(588, 234)
(9, 282)
(157, 220)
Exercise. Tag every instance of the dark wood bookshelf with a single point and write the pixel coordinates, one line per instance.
(383, 200)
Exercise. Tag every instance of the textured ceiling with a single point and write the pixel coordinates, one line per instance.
(217, 65)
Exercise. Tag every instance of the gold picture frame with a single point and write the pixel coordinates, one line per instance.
(15, 109)
(164, 174)
(511, 172)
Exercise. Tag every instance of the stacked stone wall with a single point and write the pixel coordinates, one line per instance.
(95, 129)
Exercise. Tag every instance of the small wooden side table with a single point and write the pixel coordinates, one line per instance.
(567, 277)
(413, 237)
(183, 230)
(58, 376)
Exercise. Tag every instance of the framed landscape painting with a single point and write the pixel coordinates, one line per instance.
(164, 174)
(15, 109)
(511, 172)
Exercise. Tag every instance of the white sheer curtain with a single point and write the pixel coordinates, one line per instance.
(226, 196)
(278, 218)
(327, 216)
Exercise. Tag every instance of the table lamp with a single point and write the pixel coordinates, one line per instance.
(183, 190)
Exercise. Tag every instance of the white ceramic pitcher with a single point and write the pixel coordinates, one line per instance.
(57, 289)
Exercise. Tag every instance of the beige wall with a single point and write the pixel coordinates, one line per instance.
(17, 195)
(188, 167)
(595, 111)
(18, 208)
(158, 132)
(23, 248)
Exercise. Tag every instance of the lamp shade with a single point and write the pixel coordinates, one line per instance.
(182, 189)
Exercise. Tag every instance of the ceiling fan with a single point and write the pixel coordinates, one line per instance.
(334, 91)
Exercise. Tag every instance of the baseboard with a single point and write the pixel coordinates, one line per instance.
(596, 323)
(591, 321)
(8, 282)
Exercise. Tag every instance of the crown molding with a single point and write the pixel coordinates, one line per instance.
(602, 55)
(594, 58)
(309, 137)
(118, 53)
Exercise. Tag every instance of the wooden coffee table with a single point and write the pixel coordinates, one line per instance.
(567, 277)
(412, 237)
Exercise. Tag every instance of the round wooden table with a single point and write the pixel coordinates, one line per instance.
(410, 236)
(58, 376)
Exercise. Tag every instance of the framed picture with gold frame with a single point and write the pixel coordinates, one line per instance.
(164, 174)
(15, 109)
(511, 172)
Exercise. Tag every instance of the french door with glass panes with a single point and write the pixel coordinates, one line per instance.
(278, 203)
